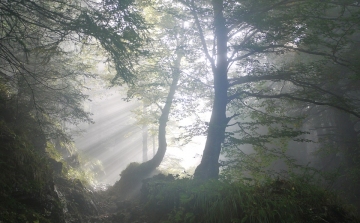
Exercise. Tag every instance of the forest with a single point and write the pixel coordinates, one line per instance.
(268, 92)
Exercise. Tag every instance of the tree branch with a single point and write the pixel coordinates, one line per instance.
(191, 6)
(248, 79)
(289, 96)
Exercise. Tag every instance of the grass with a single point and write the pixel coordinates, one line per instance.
(186, 200)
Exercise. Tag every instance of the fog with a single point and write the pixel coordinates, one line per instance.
(113, 138)
(116, 140)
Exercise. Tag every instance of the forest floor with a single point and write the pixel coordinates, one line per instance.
(166, 199)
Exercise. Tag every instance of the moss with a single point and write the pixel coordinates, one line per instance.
(131, 180)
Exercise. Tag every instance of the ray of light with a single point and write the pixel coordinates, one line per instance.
(116, 141)
(113, 139)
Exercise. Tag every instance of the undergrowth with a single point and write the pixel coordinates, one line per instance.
(30, 168)
(187, 200)
(25, 179)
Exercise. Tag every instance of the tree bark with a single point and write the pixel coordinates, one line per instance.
(209, 167)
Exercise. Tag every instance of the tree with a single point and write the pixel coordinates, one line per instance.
(156, 84)
(41, 43)
(246, 33)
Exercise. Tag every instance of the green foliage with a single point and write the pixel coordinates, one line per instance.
(26, 178)
(77, 166)
(293, 200)
(86, 176)
(31, 166)
(259, 136)
(53, 152)
(43, 45)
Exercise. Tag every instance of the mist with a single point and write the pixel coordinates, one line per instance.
(179, 111)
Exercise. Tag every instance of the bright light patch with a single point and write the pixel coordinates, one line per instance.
(116, 141)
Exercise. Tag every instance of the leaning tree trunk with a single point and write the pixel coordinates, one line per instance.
(133, 175)
(209, 167)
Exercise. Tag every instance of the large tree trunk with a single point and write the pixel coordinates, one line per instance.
(209, 167)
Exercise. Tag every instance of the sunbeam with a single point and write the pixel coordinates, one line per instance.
(114, 139)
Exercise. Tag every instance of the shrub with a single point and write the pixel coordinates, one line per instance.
(186, 200)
